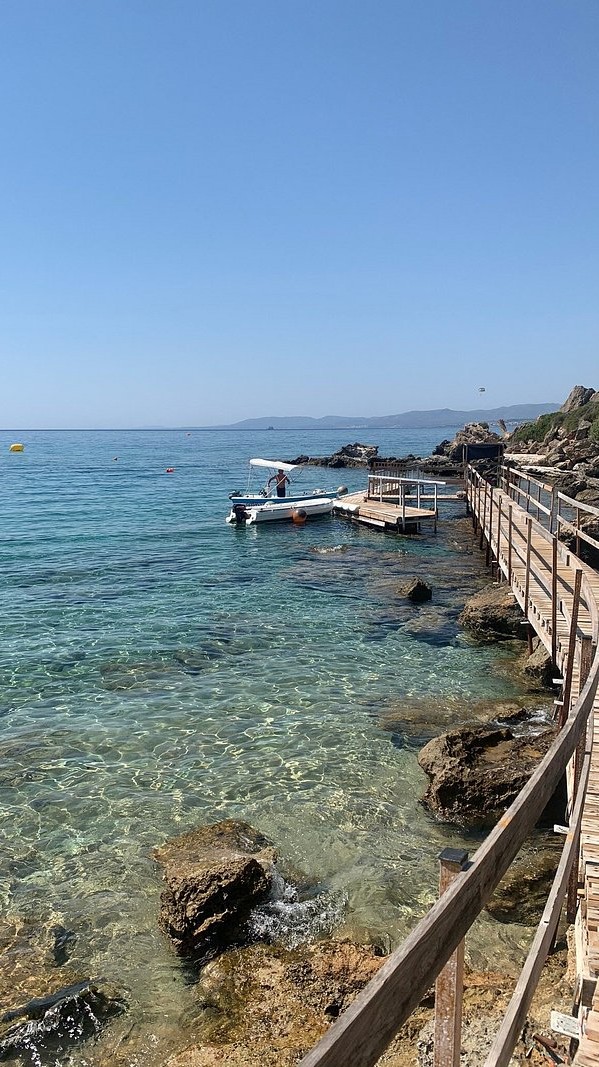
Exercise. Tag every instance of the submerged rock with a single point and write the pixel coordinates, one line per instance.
(493, 614)
(57, 1021)
(214, 876)
(522, 893)
(475, 774)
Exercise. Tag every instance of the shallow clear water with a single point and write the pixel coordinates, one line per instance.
(160, 669)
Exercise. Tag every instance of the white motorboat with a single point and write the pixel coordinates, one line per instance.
(278, 510)
(268, 493)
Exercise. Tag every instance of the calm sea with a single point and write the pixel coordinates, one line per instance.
(160, 670)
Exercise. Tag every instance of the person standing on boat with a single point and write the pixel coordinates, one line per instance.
(281, 480)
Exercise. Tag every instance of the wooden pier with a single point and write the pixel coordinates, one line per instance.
(518, 527)
(395, 503)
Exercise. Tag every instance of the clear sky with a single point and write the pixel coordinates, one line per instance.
(220, 209)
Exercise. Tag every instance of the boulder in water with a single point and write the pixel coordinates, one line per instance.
(214, 876)
(493, 614)
(475, 774)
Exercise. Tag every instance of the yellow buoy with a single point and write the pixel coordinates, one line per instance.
(17, 448)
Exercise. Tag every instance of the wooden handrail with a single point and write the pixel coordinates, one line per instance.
(364, 1030)
(501, 1050)
(592, 510)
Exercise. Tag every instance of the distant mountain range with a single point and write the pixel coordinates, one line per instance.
(408, 420)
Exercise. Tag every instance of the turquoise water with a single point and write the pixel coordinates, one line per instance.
(160, 669)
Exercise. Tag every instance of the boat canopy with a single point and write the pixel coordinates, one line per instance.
(276, 464)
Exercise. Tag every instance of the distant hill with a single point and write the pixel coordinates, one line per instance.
(408, 420)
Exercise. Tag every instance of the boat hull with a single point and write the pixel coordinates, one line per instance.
(287, 511)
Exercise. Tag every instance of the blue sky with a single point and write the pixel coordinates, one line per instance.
(215, 209)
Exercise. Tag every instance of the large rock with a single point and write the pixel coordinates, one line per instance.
(493, 614)
(577, 398)
(475, 774)
(56, 1022)
(214, 876)
(539, 665)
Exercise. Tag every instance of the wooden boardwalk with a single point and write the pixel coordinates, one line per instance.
(547, 581)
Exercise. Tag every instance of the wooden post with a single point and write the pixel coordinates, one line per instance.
(510, 523)
(527, 572)
(587, 652)
(554, 511)
(538, 503)
(554, 600)
(567, 690)
(449, 987)
(489, 545)
(499, 571)
(528, 496)
(577, 529)
(484, 520)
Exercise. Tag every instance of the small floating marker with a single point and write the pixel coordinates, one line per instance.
(299, 516)
(170, 470)
(115, 459)
(17, 448)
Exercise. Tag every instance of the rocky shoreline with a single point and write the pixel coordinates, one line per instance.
(564, 444)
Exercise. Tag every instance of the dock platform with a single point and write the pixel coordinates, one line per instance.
(384, 515)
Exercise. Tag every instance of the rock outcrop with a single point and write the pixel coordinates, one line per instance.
(214, 876)
(567, 441)
(539, 665)
(493, 614)
(353, 455)
(475, 774)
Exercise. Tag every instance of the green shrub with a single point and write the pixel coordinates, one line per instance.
(594, 431)
(536, 431)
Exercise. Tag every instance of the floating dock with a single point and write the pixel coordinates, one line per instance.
(394, 503)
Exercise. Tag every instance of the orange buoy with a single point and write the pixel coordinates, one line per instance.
(17, 448)
(299, 516)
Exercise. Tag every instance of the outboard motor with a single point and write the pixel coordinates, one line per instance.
(240, 514)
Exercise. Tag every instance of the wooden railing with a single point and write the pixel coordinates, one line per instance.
(397, 489)
(363, 1031)
(559, 513)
